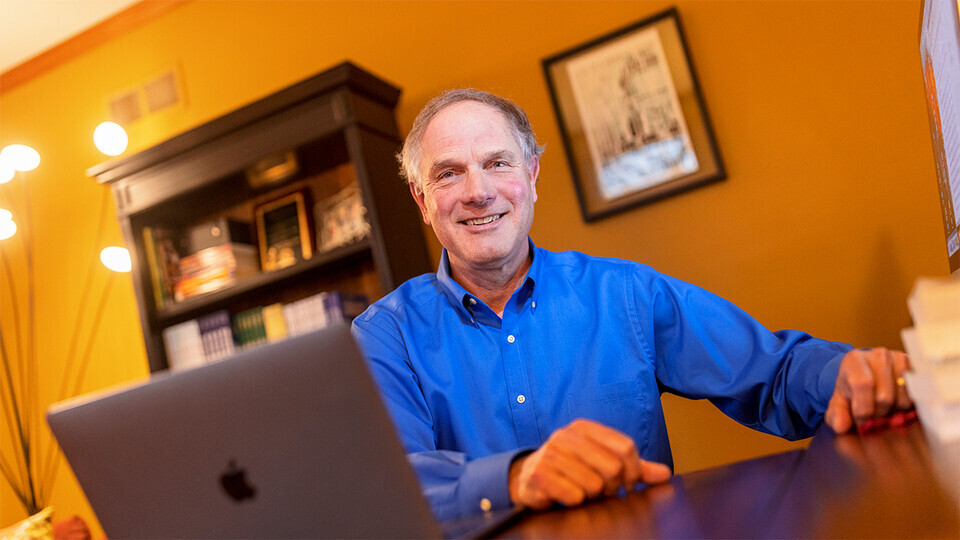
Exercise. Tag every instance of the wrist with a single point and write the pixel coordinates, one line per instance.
(513, 477)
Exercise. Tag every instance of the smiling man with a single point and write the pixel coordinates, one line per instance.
(517, 375)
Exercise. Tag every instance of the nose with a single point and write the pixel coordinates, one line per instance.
(478, 189)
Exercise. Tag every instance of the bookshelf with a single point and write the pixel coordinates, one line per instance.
(272, 168)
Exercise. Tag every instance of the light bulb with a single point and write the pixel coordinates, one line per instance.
(116, 258)
(7, 228)
(5, 215)
(110, 138)
(21, 157)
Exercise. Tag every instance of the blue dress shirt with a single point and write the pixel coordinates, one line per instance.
(582, 337)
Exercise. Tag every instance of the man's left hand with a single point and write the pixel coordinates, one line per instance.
(869, 385)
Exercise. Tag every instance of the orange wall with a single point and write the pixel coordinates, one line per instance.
(829, 212)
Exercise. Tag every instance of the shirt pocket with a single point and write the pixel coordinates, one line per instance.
(620, 405)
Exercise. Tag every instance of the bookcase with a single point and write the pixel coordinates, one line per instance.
(285, 178)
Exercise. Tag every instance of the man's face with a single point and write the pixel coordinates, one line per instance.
(478, 192)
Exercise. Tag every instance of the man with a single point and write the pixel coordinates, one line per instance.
(520, 376)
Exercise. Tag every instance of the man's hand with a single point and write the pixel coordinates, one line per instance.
(578, 462)
(869, 385)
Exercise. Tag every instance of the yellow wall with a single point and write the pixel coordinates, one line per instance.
(829, 213)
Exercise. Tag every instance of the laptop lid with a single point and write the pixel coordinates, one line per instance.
(286, 440)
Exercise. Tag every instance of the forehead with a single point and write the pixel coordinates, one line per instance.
(467, 126)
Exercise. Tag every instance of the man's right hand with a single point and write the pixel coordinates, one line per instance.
(580, 461)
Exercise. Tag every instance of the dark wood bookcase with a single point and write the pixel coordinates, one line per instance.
(341, 127)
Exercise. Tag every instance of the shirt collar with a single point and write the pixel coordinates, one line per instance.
(460, 299)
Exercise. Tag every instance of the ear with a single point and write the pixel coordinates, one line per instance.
(418, 196)
(533, 168)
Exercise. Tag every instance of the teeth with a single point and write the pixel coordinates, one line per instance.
(482, 221)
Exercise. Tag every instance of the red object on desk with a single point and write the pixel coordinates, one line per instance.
(899, 419)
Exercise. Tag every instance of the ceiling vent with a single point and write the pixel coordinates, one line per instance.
(125, 108)
(153, 96)
(162, 92)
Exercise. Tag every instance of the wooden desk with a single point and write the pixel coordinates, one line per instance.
(891, 484)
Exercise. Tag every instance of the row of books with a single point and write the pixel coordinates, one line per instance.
(221, 334)
(202, 259)
(214, 268)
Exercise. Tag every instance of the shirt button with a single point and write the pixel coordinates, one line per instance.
(485, 504)
(473, 301)
(521, 398)
(534, 304)
(511, 339)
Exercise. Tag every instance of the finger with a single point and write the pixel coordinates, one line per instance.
(880, 361)
(620, 458)
(654, 472)
(860, 382)
(561, 476)
(901, 365)
(542, 482)
(533, 498)
(577, 470)
(838, 413)
(564, 491)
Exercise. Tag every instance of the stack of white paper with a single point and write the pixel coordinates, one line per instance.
(933, 344)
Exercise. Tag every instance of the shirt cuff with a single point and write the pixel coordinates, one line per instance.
(484, 484)
(828, 380)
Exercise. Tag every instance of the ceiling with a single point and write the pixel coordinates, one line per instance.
(30, 27)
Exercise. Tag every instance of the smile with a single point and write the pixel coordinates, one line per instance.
(482, 221)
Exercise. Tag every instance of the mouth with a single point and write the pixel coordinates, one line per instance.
(482, 221)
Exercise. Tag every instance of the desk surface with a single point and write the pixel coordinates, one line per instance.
(892, 484)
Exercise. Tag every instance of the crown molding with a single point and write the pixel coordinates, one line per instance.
(98, 34)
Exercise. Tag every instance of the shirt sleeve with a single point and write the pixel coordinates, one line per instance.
(454, 485)
(705, 347)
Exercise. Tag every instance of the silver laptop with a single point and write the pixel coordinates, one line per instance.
(289, 440)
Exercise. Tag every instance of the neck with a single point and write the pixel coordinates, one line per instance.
(494, 285)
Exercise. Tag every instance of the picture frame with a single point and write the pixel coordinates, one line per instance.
(283, 231)
(341, 219)
(633, 121)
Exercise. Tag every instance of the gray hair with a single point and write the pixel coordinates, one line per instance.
(411, 154)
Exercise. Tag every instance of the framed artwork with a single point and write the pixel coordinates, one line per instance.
(633, 121)
(341, 219)
(283, 231)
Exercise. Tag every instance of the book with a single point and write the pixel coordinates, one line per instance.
(215, 268)
(156, 276)
(184, 345)
(163, 259)
(273, 322)
(216, 335)
(248, 328)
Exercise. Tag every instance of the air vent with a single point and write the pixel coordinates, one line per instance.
(161, 92)
(125, 108)
(158, 93)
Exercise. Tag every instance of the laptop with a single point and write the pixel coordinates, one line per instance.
(288, 440)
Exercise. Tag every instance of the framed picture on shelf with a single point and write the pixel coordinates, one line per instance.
(634, 124)
(341, 219)
(283, 231)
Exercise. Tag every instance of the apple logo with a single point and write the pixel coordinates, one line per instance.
(234, 482)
